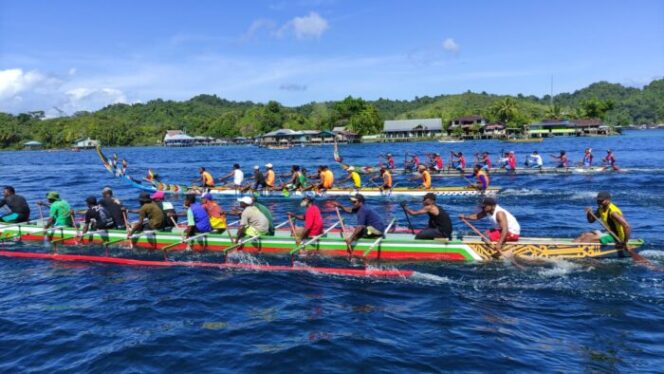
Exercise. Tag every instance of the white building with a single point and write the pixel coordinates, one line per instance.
(413, 128)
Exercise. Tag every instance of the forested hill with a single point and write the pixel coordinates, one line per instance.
(140, 124)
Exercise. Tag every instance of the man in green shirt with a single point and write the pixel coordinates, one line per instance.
(149, 210)
(60, 213)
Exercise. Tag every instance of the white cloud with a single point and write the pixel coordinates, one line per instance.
(13, 82)
(257, 26)
(311, 26)
(450, 45)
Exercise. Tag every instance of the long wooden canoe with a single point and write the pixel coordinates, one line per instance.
(399, 192)
(395, 247)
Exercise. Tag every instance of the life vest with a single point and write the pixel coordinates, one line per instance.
(269, 178)
(605, 214)
(426, 179)
(387, 179)
(483, 173)
(357, 180)
(207, 179)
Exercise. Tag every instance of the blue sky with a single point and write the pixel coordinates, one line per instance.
(82, 55)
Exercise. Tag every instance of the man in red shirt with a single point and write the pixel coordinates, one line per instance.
(313, 221)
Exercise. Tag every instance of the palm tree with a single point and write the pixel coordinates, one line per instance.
(505, 110)
(554, 112)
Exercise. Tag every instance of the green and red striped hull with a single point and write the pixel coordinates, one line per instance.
(396, 247)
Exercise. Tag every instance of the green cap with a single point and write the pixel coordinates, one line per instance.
(53, 195)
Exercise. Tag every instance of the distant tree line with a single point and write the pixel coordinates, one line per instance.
(209, 115)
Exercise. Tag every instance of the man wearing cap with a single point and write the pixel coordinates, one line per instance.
(96, 217)
(215, 212)
(269, 176)
(613, 217)
(313, 221)
(206, 178)
(426, 177)
(20, 211)
(440, 225)
(167, 208)
(369, 223)
(506, 227)
(252, 220)
(236, 174)
(114, 208)
(150, 211)
(353, 176)
(60, 213)
(198, 220)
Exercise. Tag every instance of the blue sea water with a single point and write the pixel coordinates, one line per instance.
(592, 316)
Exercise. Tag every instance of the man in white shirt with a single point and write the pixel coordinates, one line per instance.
(237, 174)
(534, 160)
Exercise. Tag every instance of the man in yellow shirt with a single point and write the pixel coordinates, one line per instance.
(426, 177)
(353, 176)
(206, 178)
(269, 176)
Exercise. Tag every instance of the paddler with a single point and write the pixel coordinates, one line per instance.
(613, 217)
(60, 212)
(269, 176)
(170, 215)
(259, 179)
(426, 177)
(440, 225)
(413, 163)
(458, 161)
(482, 177)
(236, 174)
(298, 180)
(313, 220)
(326, 179)
(369, 223)
(198, 221)
(18, 207)
(484, 160)
(563, 161)
(534, 161)
(506, 227)
(215, 212)
(150, 211)
(96, 217)
(253, 222)
(353, 176)
(610, 161)
(587, 161)
(206, 178)
(114, 207)
(390, 161)
(437, 162)
(387, 179)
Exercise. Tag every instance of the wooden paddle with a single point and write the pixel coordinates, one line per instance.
(349, 247)
(410, 225)
(185, 240)
(292, 229)
(637, 258)
(374, 244)
(305, 244)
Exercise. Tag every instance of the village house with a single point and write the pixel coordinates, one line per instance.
(412, 128)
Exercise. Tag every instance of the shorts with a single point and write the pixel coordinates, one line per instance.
(494, 236)
(370, 232)
(11, 217)
(252, 231)
(606, 238)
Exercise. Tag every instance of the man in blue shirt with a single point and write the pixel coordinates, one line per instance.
(369, 223)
